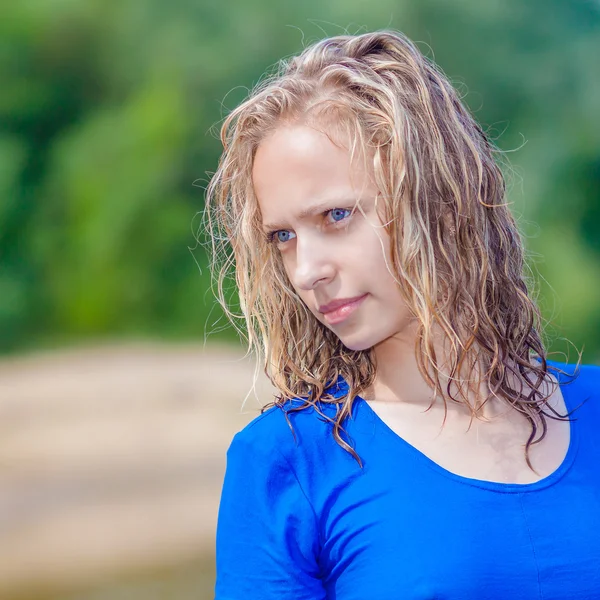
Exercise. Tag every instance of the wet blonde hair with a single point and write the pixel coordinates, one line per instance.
(454, 244)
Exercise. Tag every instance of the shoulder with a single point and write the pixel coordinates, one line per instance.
(580, 385)
(584, 377)
(263, 433)
(589, 375)
(283, 431)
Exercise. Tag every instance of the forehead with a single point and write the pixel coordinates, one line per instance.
(298, 168)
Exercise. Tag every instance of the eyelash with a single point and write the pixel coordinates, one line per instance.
(271, 235)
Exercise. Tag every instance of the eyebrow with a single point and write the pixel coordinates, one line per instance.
(309, 212)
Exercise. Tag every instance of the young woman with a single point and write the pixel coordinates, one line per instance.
(421, 445)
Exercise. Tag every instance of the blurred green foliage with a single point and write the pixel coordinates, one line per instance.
(108, 118)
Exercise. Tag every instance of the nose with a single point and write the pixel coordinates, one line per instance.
(314, 263)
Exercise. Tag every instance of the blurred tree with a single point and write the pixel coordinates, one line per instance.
(108, 114)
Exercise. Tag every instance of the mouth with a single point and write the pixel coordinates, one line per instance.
(341, 313)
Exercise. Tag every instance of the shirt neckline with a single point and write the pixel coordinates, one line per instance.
(497, 486)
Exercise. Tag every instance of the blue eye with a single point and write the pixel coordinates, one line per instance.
(273, 236)
(337, 213)
(281, 231)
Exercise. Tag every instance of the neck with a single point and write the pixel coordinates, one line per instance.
(398, 379)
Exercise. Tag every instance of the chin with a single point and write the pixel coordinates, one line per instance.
(356, 344)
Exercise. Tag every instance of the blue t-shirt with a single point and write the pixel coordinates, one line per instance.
(300, 520)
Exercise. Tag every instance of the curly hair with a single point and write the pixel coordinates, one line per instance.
(455, 245)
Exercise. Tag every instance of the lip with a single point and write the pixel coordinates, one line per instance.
(335, 304)
(345, 307)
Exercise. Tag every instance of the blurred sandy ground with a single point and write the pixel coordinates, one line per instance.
(111, 464)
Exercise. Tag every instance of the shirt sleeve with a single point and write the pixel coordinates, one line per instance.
(267, 541)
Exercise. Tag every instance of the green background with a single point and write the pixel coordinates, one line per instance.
(108, 119)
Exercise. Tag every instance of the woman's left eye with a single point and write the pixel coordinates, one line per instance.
(338, 212)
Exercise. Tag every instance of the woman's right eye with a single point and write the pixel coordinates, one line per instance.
(273, 237)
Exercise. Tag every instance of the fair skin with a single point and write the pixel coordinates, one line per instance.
(342, 254)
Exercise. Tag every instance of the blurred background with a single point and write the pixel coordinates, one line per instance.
(120, 383)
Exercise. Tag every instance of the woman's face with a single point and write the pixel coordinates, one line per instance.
(299, 174)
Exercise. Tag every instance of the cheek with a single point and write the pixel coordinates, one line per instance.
(374, 258)
(384, 283)
(286, 266)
